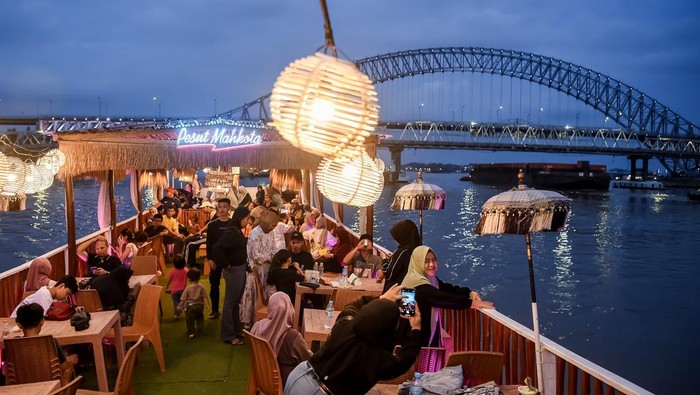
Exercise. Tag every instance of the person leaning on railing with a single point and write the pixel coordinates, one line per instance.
(433, 293)
(358, 353)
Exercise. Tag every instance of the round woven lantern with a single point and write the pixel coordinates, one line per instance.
(32, 178)
(325, 106)
(355, 182)
(46, 177)
(15, 184)
(4, 170)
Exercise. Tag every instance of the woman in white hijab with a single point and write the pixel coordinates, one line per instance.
(433, 294)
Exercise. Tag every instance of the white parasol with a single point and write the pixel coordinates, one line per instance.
(419, 195)
(524, 210)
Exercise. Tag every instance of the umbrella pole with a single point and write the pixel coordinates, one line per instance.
(535, 318)
(420, 221)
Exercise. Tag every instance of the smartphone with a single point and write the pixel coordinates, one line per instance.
(408, 302)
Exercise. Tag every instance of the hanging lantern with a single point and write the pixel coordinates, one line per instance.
(58, 156)
(355, 182)
(32, 179)
(325, 106)
(4, 170)
(16, 181)
(46, 178)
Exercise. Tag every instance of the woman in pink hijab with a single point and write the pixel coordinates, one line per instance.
(39, 275)
(277, 328)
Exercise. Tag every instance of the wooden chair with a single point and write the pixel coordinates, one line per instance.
(260, 301)
(265, 373)
(125, 378)
(478, 366)
(31, 359)
(144, 265)
(158, 249)
(145, 249)
(343, 297)
(90, 299)
(146, 323)
(70, 388)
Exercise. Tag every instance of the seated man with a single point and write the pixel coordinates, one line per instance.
(99, 263)
(156, 228)
(299, 255)
(362, 255)
(65, 286)
(30, 318)
(173, 227)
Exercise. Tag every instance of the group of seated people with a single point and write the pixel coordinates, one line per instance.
(359, 350)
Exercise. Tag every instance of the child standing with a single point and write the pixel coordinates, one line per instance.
(177, 281)
(193, 300)
(283, 274)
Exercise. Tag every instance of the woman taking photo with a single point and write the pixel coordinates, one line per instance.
(433, 293)
(358, 353)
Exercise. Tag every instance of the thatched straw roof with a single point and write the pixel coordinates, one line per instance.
(90, 151)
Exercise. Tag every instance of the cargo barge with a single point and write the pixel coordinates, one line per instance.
(581, 175)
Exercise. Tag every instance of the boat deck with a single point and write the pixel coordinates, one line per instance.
(205, 365)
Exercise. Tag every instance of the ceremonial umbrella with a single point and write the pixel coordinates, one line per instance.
(524, 210)
(419, 195)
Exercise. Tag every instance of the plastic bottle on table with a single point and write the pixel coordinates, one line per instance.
(328, 322)
(417, 385)
(320, 270)
(344, 276)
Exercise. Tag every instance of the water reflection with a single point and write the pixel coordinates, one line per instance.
(564, 293)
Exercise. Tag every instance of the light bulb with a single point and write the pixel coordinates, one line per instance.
(322, 110)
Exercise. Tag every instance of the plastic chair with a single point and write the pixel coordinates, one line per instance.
(125, 378)
(343, 297)
(70, 388)
(260, 301)
(478, 366)
(158, 249)
(146, 322)
(144, 265)
(265, 373)
(90, 299)
(31, 359)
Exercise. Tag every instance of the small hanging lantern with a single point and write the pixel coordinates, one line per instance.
(32, 178)
(355, 182)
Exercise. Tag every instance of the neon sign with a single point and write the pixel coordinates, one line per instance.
(220, 138)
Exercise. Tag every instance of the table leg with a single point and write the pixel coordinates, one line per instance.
(100, 366)
(297, 309)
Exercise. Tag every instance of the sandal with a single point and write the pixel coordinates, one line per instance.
(191, 336)
(237, 342)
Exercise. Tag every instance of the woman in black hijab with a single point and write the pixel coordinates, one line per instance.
(113, 288)
(358, 353)
(406, 234)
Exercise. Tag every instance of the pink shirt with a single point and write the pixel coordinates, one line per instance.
(178, 279)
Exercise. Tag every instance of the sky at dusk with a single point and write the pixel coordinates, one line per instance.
(197, 57)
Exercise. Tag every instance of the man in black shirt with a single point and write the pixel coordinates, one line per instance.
(157, 228)
(299, 255)
(215, 228)
(169, 201)
(100, 263)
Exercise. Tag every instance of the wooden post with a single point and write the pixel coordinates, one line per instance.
(370, 220)
(139, 204)
(70, 226)
(112, 207)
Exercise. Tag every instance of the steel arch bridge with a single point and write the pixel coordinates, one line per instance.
(631, 109)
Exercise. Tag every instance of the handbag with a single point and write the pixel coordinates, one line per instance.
(60, 310)
(80, 320)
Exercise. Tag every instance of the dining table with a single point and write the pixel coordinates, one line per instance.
(313, 328)
(100, 324)
(38, 388)
(369, 286)
(138, 279)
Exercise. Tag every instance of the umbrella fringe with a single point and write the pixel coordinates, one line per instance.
(521, 222)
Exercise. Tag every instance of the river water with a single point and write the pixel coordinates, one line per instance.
(618, 286)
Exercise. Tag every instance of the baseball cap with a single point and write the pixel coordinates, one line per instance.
(296, 236)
